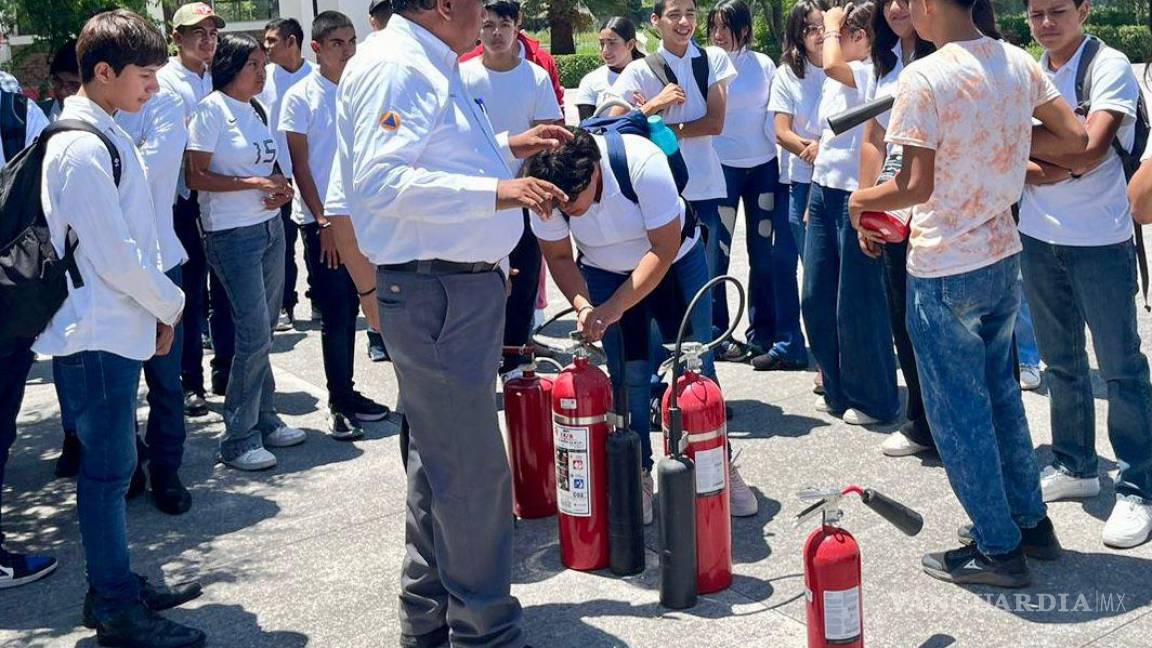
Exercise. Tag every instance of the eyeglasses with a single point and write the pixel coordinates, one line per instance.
(813, 29)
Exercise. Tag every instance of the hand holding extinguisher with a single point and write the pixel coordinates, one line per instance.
(832, 574)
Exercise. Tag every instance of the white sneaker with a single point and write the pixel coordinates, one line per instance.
(255, 459)
(649, 487)
(1058, 485)
(1130, 523)
(853, 416)
(899, 445)
(1029, 378)
(741, 500)
(284, 437)
(284, 322)
(822, 405)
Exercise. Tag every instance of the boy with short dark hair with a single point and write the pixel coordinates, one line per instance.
(121, 315)
(1079, 268)
(308, 120)
(64, 73)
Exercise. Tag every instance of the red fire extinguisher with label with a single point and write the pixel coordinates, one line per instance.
(581, 400)
(705, 441)
(527, 417)
(832, 574)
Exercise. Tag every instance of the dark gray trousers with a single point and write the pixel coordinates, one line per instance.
(444, 335)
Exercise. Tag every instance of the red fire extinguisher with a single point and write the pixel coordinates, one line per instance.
(527, 415)
(581, 400)
(705, 442)
(832, 575)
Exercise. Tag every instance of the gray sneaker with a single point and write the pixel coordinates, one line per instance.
(254, 459)
(344, 428)
(284, 437)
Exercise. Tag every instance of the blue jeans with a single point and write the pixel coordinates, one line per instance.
(846, 311)
(165, 432)
(717, 237)
(16, 358)
(961, 328)
(1071, 287)
(797, 203)
(773, 292)
(1027, 353)
(250, 264)
(100, 388)
(690, 273)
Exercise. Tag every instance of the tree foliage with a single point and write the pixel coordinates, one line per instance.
(55, 21)
(566, 17)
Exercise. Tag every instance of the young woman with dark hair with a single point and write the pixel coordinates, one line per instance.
(793, 102)
(231, 161)
(618, 48)
(747, 150)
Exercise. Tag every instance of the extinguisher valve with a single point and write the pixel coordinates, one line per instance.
(824, 502)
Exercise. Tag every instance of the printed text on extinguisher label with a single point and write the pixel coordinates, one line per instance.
(710, 477)
(842, 614)
(573, 495)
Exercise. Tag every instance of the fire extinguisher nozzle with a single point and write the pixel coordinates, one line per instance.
(677, 499)
(908, 521)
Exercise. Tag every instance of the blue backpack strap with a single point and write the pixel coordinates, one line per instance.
(618, 161)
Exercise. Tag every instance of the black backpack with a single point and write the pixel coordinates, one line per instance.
(1130, 159)
(13, 122)
(33, 282)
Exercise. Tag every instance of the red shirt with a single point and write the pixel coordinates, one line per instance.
(536, 54)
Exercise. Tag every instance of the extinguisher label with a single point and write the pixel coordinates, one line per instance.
(710, 473)
(573, 492)
(842, 614)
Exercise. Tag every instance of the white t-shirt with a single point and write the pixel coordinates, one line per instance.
(705, 175)
(886, 85)
(800, 98)
(594, 85)
(241, 145)
(838, 163)
(277, 83)
(749, 137)
(309, 108)
(613, 234)
(1092, 209)
(514, 99)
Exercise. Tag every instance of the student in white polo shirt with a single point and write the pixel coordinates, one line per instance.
(283, 41)
(1079, 267)
(231, 160)
(747, 150)
(516, 94)
(195, 34)
(618, 48)
(695, 116)
(639, 263)
(308, 120)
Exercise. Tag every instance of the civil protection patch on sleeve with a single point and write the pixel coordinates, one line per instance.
(390, 121)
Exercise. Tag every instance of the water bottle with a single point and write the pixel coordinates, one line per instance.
(662, 136)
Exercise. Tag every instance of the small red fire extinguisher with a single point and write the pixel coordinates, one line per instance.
(832, 575)
(705, 442)
(581, 400)
(527, 417)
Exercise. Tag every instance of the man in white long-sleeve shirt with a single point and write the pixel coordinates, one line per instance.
(426, 179)
(117, 317)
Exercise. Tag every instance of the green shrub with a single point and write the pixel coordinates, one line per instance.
(1134, 41)
(573, 67)
(1115, 28)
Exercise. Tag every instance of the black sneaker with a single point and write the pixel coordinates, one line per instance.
(68, 464)
(365, 409)
(344, 428)
(967, 566)
(21, 569)
(730, 351)
(1039, 542)
(772, 362)
(169, 494)
(317, 314)
(433, 639)
(139, 627)
(376, 350)
(194, 404)
(220, 382)
(156, 597)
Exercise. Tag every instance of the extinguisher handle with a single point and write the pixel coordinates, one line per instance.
(901, 517)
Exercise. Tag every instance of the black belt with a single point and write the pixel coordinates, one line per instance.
(440, 267)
